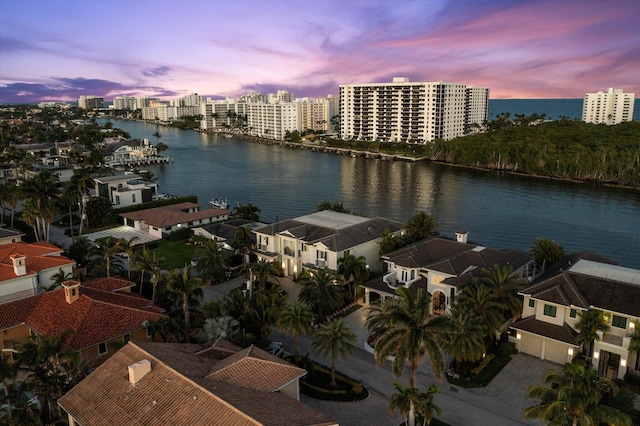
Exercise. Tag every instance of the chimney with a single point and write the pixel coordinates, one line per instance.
(19, 264)
(138, 370)
(71, 290)
(461, 236)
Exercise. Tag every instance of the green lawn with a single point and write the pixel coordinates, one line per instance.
(176, 253)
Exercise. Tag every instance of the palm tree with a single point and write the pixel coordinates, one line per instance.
(419, 226)
(296, 319)
(213, 328)
(248, 212)
(573, 396)
(80, 250)
(149, 262)
(184, 285)
(546, 253)
(127, 246)
(408, 332)
(210, 260)
(336, 339)
(58, 278)
(505, 285)
(81, 181)
(265, 271)
(588, 325)
(320, 292)
(355, 269)
(12, 196)
(42, 191)
(466, 343)
(242, 241)
(406, 399)
(481, 301)
(105, 249)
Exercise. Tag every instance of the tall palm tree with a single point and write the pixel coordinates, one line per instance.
(265, 271)
(12, 196)
(481, 301)
(546, 253)
(248, 212)
(242, 241)
(318, 290)
(296, 319)
(210, 260)
(105, 249)
(42, 190)
(408, 332)
(58, 278)
(82, 181)
(406, 398)
(213, 328)
(505, 285)
(573, 396)
(335, 339)
(419, 226)
(588, 325)
(148, 262)
(184, 285)
(355, 270)
(466, 343)
(127, 246)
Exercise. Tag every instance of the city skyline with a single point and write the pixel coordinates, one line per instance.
(60, 50)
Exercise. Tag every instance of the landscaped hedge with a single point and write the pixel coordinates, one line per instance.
(316, 383)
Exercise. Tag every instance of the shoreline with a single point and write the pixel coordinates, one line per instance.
(354, 153)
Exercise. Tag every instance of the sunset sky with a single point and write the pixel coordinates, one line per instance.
(59, 50)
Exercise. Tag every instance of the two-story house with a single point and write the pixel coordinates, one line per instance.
(124, 190)
(96, 314)
(440, 265)
(25, 269)
(148, 383)
(319, 239)
(554, 302)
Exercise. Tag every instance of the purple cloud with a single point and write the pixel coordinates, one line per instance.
(156, 72)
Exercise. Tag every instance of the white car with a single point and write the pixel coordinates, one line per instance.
(275, 349)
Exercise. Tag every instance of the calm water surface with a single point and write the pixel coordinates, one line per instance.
(498, 210)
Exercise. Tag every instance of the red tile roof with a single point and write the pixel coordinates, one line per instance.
(39, 256)
(109, 284)
(162, 217)
(96, 316)
(175, 391)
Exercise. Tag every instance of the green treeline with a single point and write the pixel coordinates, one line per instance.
(565, 149)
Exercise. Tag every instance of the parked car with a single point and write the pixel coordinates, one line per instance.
(275, 349)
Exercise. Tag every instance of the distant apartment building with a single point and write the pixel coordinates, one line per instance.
(124, 102)
(403, 111)
(280, 96)
(217, 113)
(192, 100)
(145, 101)
(610, 107)
(90, 102)
(53, 104)
(315, 113)
(272, 121)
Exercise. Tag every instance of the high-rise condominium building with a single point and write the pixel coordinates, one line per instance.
(90, 102)
(610, 107)
(124, 102)
(402, 111)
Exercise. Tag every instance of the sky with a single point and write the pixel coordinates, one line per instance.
(62, 49)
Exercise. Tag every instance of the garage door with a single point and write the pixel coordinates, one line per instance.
(556, 352)
(530, 344)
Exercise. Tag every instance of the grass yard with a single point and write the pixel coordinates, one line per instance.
(177, 254)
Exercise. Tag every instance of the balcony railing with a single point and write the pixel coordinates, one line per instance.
(321, 263)
(262, 247)
(288, 251)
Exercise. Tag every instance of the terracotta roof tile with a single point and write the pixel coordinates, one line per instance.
(165, 216)
(166, 396)
(109, 284)
(96, 316)
(39, 256)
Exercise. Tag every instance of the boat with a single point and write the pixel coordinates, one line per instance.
(219, 203)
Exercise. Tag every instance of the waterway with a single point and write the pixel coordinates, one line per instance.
(499, 210)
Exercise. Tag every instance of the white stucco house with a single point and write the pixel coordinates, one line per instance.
(553, 304)
(440, 265)
(124, 190)
(25, 269)
(161, 221)
(319, 239)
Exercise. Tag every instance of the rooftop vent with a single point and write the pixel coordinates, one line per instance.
(71, 290)
(138, 370)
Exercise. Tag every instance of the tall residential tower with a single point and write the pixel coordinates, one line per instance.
(610, 107)
(402, 111)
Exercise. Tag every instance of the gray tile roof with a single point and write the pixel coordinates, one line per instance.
(562, 333)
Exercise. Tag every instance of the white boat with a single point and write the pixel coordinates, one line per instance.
(219, 203)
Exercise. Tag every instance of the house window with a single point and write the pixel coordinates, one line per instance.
(133, 198)
(117, 199)
(102, 348)
(452, 295)
(573, 313)
(413, 274)
(532, 303)
(550, 310)
(620, 322)
(346, 252)
(126, 337)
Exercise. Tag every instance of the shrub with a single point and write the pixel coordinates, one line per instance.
(504, 349)
(179, 234)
